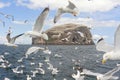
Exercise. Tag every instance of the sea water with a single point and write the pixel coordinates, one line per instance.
(86, 55)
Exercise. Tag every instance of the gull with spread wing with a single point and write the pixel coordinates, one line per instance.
(11, 41)
(111, 52)
(71, 8)
(37, 29)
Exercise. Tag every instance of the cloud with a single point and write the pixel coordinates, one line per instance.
(2, 5)
(90, 22)
(96, 36)
(83, 5)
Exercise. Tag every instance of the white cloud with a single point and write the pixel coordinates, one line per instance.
(2, 5)
(85, 21)
(96, 36)
(83, 5)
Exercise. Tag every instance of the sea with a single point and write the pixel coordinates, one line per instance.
(68, 56)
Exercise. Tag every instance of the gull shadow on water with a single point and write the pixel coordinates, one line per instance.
(88, 57)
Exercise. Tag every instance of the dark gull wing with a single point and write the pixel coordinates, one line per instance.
(58, 14)
(71, 5)
(14, 38)
(103, 46)
(40, 20)
(117, 39)
(8, 37)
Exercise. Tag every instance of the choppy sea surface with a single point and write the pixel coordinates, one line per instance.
(88, 57)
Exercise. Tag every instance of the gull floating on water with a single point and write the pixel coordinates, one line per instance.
(78, 76)
(37, 29)
(68, 9)
(111, 52)
(11, 41)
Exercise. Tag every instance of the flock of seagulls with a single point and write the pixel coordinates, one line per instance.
(111, 52)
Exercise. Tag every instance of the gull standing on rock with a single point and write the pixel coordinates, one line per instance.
(71, 8)
(112, 52)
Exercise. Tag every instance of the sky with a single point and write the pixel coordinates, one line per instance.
(103, 16)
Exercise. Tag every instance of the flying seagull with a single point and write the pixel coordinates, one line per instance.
(32, 49)
(106, 76)
(11, 41)
(111, 52)
(8, 16)
(68, 9)
(109, 74)
(3, 23)
(37, 29)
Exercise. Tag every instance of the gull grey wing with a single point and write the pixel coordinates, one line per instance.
(71, 5)
(103, 46)
(10, 16)
(8, 37)
(33, 50)
(14, 38)
(40, 20)
(3, 23)
(117, 39)
(58, 14)
(113, 71)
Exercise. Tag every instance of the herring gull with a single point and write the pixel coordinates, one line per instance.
(37, 29)
(111, 52)
(71, 8)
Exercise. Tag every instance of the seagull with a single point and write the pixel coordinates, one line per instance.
(11, 41)
(78, 76)
(68, 9)
(109, 74)
(99, 76)
(37, 29)
(2, 23)
(7, 16)
(32, 49)
(111, 52)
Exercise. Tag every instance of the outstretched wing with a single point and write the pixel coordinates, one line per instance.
(58, 14)
(71, 5)
(113, 71)
(117, 39)
(40, 20)
(8, 37)
(14, 38)
(33, 50)
(103, 46)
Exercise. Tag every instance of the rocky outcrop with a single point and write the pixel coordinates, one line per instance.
(67, 34)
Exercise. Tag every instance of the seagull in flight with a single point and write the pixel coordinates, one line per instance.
(11, 41)
(8, 16)
(111, 52)
(37, 29)
(2, 23)
(71, 8)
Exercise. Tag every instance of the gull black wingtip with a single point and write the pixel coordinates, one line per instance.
(100, 40)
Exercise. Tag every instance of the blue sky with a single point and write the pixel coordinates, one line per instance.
(103, 16)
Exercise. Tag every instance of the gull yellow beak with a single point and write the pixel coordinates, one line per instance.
(103, 61)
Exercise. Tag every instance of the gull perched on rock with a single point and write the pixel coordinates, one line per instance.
(71, 8)
(111, 52)
(11, 41)
(37, 29)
